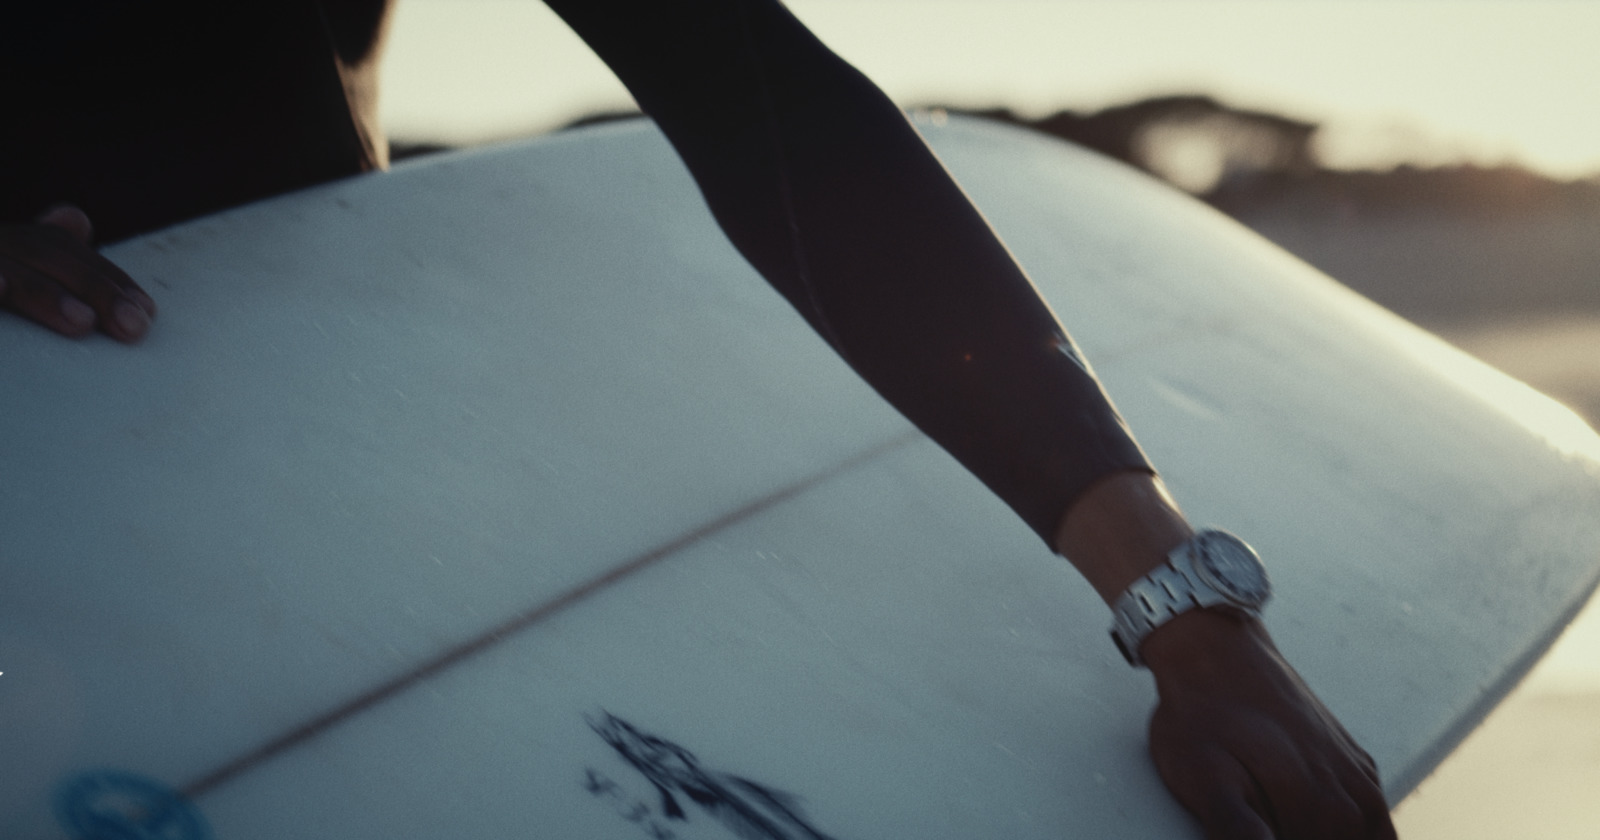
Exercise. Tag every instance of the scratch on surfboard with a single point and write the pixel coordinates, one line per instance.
(750, 810)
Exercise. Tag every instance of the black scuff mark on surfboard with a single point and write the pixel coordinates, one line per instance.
(752, 811)
(626, 806)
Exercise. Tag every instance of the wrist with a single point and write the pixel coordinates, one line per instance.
(1120, 528)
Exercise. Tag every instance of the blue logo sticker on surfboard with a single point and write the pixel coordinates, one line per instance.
(114, 805)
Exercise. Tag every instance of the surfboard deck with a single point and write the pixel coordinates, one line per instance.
(497, 497)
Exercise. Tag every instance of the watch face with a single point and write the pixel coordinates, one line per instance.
(1225, 562)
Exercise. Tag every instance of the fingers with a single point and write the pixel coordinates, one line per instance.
(1233, 803)
(1234, 807)
(41, 300)
(1276, 769)
(1315, 792)
(1315, 807)
(1209, 783)
(82, 269)
(49, 274)
(1222, 796)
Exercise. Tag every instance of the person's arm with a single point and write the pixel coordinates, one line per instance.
(50, 273)
(822, 184)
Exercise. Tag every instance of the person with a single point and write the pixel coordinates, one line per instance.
(135, 116)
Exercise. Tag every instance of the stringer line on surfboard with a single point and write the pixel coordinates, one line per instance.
(462, 651)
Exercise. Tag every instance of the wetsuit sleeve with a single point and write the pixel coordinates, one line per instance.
(823, 185)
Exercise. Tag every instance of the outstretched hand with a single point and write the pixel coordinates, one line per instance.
(1246, 747)
(1237, 736)
(50, 274)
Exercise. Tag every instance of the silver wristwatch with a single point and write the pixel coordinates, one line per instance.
(1215, 570)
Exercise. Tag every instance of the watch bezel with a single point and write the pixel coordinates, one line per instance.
(1231, 568)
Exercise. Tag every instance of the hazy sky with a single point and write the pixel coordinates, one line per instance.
(1430, 80)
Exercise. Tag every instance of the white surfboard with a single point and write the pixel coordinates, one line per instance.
(496, 497)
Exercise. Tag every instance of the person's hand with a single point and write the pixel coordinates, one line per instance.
(50, 274)
(1237, 736)
(1246, 747)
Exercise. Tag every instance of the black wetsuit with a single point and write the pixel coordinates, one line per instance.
(813, 174)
